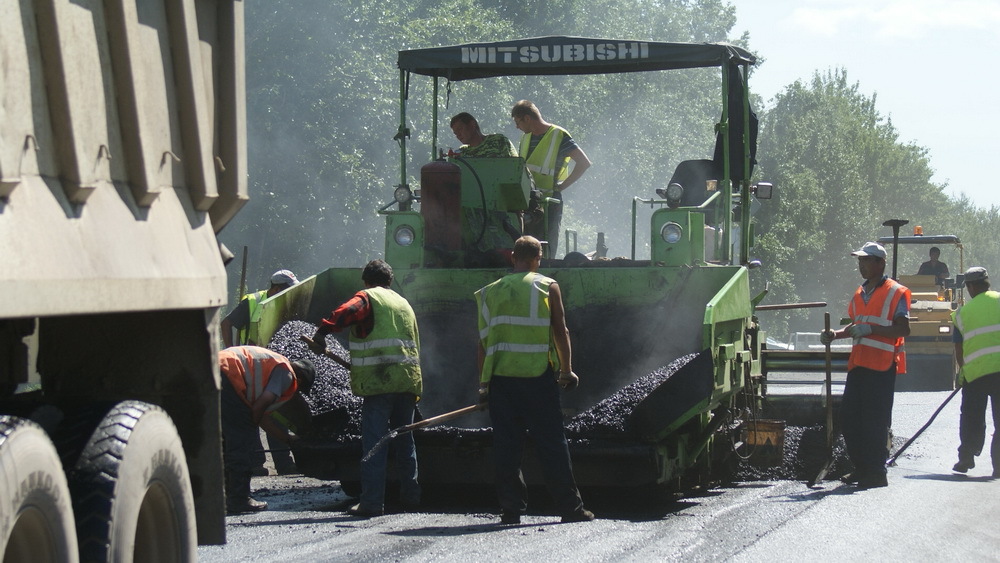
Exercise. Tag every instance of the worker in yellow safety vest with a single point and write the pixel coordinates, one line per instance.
(977, 352)
(547, 150)
(246, 314)
(523, 344)
(385, 372)
(879, 314)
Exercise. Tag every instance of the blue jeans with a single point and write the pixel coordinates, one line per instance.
(866, 414)
(380, 413)
(529, 406)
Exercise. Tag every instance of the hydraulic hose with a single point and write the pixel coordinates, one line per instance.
(482, 195)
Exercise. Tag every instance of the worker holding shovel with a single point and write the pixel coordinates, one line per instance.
(385, 371)
(879, 314)
(524, 344)
(977, 339)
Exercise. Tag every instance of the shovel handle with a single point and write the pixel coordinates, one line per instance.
(829, 388)
(439, 418)
(327, 353)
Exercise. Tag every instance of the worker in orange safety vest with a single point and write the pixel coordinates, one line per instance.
(879, 313)
(255, 382)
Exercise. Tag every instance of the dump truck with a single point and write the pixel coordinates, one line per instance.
(930, 352)
(689, 300)
(122, 155)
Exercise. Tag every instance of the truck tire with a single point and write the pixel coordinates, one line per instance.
(132, 491)
(36, 514)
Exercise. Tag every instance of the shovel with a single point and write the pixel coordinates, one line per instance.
(327, 353)
(891, 462)
(829, 411)
(421, 424)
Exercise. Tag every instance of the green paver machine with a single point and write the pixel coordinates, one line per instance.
(627, 316)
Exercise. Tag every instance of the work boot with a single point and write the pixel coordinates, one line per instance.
(579, 515)
(260, 471)
(238, 499)
(866, 482)
(362, 512)
(510, 517)
(851, 478)
(964, 465)
(244, 505)
(288, 468)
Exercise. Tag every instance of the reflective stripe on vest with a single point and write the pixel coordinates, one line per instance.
(248, 369)
(544, 161)
(979, 322)
(388, 359)
(878, 352)
(515, 326)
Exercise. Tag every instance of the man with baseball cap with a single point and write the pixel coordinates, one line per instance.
(879, 313)
(977, 351)
(246, 311)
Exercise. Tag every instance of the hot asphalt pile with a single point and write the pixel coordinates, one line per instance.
(336, 411)
(337, 415)
(804, 454)
(610, 416)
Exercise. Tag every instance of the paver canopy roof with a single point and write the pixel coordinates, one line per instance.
(565, 55)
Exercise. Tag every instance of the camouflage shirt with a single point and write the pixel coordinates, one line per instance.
(495, 145)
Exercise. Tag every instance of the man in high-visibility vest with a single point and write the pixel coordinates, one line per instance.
(977, 351)
(523, 344)
(879, 313)
(255, 382)
(385, 371)
(547, 150)
(243, 319)
(247, 312)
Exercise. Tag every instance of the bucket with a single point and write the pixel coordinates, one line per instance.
(765, 440)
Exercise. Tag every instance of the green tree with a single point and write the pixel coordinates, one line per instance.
(322, 88)
(840, 171)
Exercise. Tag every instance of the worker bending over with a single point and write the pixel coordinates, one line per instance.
(255, 382)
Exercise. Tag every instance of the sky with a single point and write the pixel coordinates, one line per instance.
(930, 63)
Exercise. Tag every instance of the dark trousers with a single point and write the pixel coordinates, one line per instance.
(240, 438)
(555, 212)
(866, 415)
(972, 425)
(529, 406)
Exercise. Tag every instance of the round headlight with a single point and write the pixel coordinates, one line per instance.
(671, 232)
(675, 192)
(404, 235)
(402, 194)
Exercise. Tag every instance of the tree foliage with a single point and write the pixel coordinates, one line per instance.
(840, 171)
(323, 88)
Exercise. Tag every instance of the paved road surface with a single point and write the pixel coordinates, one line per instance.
(926, 514)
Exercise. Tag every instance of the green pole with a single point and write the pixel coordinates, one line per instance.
(726, 205)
